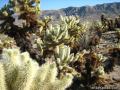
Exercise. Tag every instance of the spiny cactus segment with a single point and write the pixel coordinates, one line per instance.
(20, 72)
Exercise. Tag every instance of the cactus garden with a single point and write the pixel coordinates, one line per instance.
(40, 54)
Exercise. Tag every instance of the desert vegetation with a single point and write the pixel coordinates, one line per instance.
(36, 54)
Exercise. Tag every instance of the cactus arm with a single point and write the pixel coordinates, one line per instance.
(3, 85)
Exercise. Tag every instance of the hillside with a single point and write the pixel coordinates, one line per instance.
(86, 12)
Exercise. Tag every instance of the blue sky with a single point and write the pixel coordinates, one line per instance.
(57, 4)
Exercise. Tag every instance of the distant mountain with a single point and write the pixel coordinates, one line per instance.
(86, 12)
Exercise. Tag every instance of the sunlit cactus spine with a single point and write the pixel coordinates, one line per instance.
(20, 72)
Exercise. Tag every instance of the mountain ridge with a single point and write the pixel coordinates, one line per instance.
(86, 12)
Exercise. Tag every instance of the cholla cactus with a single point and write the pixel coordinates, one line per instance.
(75, 28)
(2, 78)
(63, 55)
(118, 34)
(6, 42)
(20, 18)
(100, 76)
(97, 25)
(45, 22)
(26, 13)
(22, 73)
(67, 61)
(96, 60)
(44, 25)
(56, 35)
(28, 10)
(100, 71)
(38, 44)
(100, 57)
(64, 58)
(25, 5)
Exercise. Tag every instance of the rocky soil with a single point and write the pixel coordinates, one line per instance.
(109, 40)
